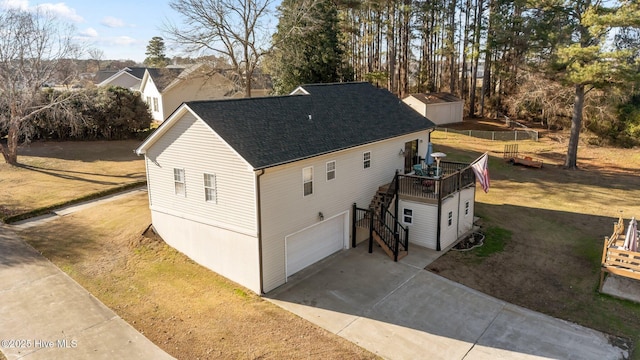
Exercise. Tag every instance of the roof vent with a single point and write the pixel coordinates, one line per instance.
(309, 116)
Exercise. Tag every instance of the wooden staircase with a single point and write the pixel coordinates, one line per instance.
(383, 245)
(383, 198)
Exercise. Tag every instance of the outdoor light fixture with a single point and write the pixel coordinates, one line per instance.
(321, 215)
(401, 152)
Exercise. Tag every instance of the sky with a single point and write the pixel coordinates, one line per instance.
(120, 28)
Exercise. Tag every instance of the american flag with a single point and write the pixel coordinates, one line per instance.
(481, 168)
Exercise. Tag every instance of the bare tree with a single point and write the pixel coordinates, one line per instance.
(33, 47)
(97, 55)
(232, 28)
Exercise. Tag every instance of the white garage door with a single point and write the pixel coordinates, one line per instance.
(314, 244)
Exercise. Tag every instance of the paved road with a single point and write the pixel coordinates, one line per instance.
(401, 311)
(44, 314)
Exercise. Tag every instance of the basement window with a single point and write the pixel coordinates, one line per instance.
(178, 179)
(407, 216)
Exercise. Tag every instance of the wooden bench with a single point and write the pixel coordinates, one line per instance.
(618, 261)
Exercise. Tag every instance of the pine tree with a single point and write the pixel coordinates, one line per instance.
(583, 60)
(306, 45)
(156, 53)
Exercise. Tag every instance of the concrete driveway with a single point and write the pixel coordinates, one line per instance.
(44, 314)
(401, 311)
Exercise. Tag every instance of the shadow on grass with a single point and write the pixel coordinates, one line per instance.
(86, 151)
(67, 174)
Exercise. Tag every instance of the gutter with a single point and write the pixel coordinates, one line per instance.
(259, 216)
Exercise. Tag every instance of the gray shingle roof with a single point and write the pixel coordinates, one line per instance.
(162, 77)
(137, 72)
(275, 130)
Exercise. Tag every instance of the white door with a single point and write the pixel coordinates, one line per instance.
(315, 243)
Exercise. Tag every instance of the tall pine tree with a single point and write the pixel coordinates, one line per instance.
(306, 45)
(155, 53)
(584, 58)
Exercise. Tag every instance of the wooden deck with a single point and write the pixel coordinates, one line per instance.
(616, 260)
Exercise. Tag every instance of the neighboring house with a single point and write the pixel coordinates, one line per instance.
(165, 89)
(441, 108)
(128, 78)
(256, 189)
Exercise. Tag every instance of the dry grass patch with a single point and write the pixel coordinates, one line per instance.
(186, 309)
(557, 219)
(55, 172)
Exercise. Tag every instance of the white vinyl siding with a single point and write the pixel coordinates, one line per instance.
(190, 144)
(150, 91)
(210, 188)
(465, 221)
(331, 170)
(178, 179)
(449, 224)
(285, 211)
(424, 229)
(307, 181)
(229, 253)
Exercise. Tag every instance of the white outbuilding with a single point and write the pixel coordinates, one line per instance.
(441, 108)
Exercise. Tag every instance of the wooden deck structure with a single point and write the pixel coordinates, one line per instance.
(616, 260)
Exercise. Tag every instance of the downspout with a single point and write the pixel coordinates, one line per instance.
(459, 186)
(439, 230)
(259, 216)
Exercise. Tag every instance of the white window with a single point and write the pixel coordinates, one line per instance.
(178, 179)
(466, 208)
(155, 104)
(149, 101)
(331, 170)
(366, 157)
(210, 192)
(307, 180)
(450, 218)
(407, 216)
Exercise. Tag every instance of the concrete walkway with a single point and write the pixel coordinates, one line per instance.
(401, 311)
(44, 314)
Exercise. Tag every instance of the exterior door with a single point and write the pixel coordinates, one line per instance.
(410, 153)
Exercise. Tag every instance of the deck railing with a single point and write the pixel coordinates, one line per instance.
(455, 177)
(392, 233)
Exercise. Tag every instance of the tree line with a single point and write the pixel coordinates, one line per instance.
(552, 61)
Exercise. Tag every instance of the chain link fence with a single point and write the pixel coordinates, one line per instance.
(524, 133)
